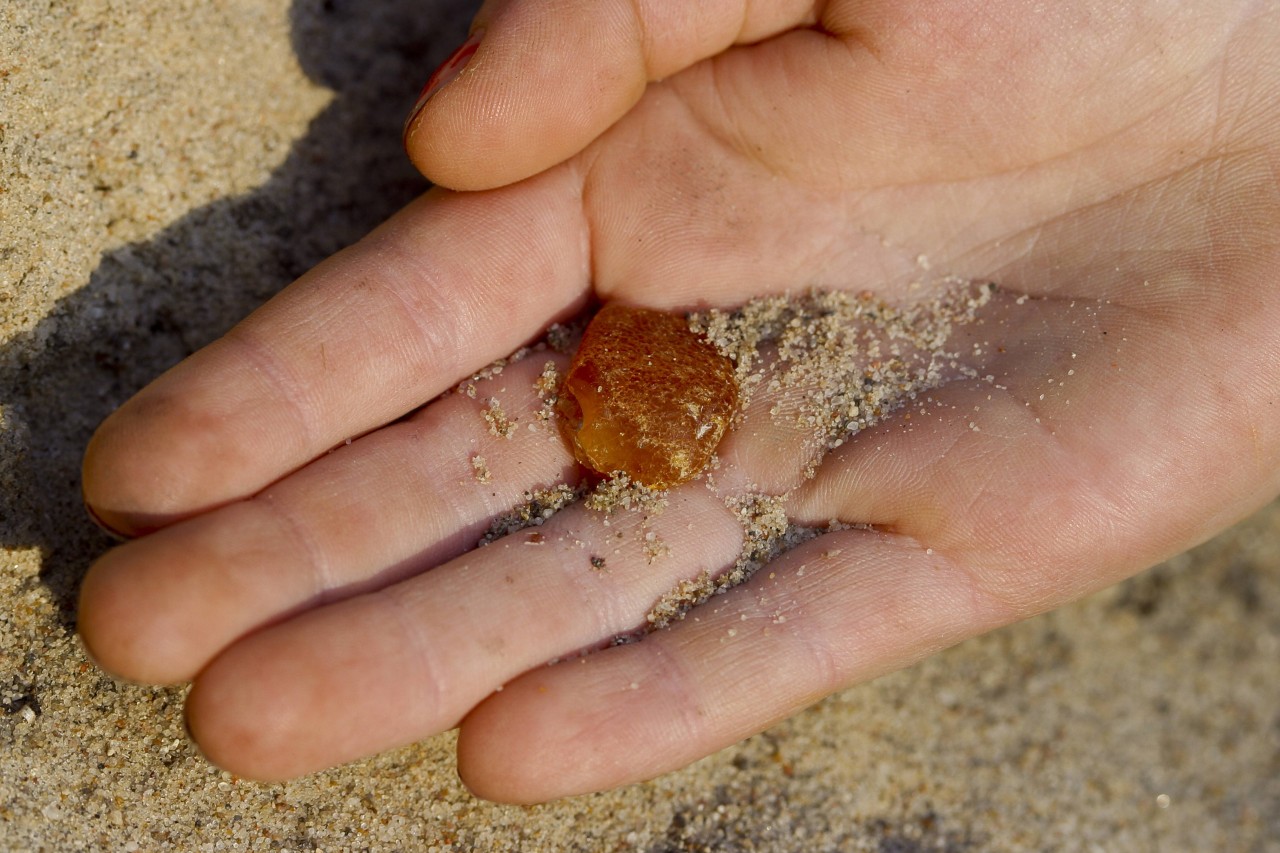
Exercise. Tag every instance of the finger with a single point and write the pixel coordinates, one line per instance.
(385, 669)
(446, 286)
(538, 81)
(838, 610)
(1079, 461)
(391, 504)
(972, 473)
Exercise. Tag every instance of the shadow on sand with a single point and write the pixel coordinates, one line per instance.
(149, 304)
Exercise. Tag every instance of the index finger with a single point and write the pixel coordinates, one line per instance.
(449, 284)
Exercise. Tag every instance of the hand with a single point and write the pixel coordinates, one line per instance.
(1114, 164)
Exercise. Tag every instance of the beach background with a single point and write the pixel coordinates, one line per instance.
(164, 168)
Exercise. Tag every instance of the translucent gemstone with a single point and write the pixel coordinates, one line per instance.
(646, 396)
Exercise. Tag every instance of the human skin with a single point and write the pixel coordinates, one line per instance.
(1118, 164)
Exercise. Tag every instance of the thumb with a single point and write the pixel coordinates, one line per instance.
(538, 80)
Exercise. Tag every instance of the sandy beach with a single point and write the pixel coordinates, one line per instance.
(164, 168)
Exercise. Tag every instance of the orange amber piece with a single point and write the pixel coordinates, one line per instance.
(646, 396)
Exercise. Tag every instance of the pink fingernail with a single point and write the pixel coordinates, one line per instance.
(104, 527)
(445, 74)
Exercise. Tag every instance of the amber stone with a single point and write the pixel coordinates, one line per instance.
(646, 396)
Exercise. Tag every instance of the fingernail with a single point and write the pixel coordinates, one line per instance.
(445, 74)
(103, 526)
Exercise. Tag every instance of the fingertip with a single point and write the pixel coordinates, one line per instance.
(321, 689)
(112, 486)
(225, 739)
(156, 610)
(502, 765)
(525, 93)
(122, 640)
(240, 715)
(142, 466)
(236, 749)
(94, 613)
(116, 533)
(540, 739)
(546, 79)
(191, 441)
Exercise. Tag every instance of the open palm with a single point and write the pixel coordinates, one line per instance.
(1113, 167)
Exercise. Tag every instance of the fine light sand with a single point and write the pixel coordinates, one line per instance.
(166, 167)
